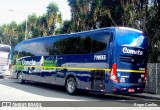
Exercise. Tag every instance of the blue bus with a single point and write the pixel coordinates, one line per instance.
(107, 60)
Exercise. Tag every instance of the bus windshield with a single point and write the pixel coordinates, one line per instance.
(5, 49)
(131, 39)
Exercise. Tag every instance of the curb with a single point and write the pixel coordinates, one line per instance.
(146, 95)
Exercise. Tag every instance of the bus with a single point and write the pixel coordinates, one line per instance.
(106, 60)
(5, 60)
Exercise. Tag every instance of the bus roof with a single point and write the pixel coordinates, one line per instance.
(131, 29)
(79, 33)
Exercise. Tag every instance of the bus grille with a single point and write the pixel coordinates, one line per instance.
(3, 61)
(132, 59)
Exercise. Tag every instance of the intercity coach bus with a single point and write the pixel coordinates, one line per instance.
(5, 59)
(107, 60)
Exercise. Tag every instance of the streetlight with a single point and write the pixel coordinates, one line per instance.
(26, 25)
(26, 30)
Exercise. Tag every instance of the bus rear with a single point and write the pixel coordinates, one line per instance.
(128, 71)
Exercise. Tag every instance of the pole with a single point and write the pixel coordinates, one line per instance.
(26, 26)
(156, 79)
(26, 30)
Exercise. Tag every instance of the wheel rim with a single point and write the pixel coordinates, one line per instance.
(20, 77)
(71, 86)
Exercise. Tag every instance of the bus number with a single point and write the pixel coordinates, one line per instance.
(99, 57)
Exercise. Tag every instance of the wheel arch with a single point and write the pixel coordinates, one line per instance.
(70, 74)
(18, 73)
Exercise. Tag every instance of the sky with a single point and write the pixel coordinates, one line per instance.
(18, 10)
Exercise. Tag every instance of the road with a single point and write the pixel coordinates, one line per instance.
(55, 96)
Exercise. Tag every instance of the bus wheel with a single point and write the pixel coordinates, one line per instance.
(20, 78)
(71, 86)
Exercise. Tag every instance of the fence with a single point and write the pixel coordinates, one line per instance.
(153, 78)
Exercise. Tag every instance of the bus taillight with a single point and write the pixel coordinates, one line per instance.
(145, 74)
(131, 90)
(113, 75)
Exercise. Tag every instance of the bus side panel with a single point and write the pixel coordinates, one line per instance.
(88, 70)
(30, 67)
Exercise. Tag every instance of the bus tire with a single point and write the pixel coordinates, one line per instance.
(71, 86)
(20, 78)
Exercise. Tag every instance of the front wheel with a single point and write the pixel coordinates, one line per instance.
(20, 78)
(71, 86)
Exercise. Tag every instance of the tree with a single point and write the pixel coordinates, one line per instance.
(53, 17)
(9, 33)
(42, 25)
(32, 25)
(67, 27)
(92, 14)
(74, 13)
(153, 30)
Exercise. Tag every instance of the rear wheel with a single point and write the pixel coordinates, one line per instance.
(71, 86)
(20, 78)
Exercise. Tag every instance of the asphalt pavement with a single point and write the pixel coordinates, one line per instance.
(56, 96)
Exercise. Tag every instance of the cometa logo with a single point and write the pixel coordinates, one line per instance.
(130, 51)
(28, 62)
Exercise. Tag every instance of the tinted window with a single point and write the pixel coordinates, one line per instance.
(32, 49)
(50, 49)
(80, 44)
(5, 49)
(131, 38)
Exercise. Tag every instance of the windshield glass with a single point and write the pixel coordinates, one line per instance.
(5, 49)
(131, 39)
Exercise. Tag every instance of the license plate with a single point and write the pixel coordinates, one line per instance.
(131, 90)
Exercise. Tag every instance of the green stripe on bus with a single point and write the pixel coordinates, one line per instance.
(78, 68)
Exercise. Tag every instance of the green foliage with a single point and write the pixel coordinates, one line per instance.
(52, 8)
(153, 31)
(91, 14)
(34, 26)
(67, 27)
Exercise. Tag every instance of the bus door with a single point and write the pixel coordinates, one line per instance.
(131, 58)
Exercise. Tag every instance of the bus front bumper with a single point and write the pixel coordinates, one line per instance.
(4, 71)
